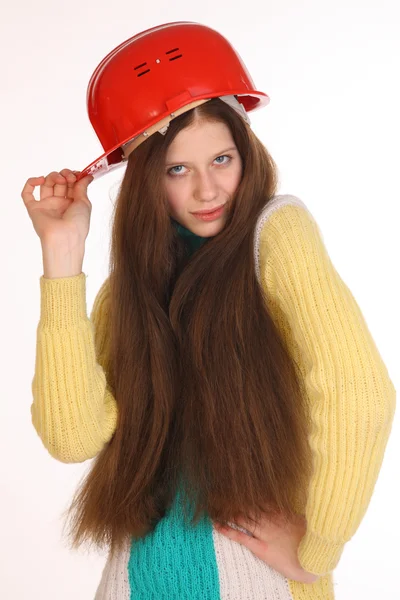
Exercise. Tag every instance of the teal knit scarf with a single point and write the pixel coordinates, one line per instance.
(192, 241)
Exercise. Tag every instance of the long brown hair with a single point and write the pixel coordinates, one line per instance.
(208, 396)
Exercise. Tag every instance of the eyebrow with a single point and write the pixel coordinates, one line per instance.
(188, 163)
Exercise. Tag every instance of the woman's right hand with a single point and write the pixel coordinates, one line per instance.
(64, 209)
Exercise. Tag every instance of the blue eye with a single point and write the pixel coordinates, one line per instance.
(172, 168)
(223, 156)
(173, 174)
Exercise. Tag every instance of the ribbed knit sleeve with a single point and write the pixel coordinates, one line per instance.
(73, 410)
(350, 394)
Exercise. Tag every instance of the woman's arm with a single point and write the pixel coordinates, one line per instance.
(73, 409)
(350, 394)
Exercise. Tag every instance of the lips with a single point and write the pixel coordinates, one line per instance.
(207, 212)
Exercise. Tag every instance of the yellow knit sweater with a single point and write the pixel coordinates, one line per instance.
(351, 396)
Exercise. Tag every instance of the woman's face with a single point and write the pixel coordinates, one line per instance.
(203, 168)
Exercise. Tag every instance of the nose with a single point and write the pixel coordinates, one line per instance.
(206, 189)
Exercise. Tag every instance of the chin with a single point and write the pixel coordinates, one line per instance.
(207, 229)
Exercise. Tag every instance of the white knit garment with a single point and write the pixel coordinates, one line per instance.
(114, 583)
(242, 576)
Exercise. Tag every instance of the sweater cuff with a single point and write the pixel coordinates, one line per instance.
(63, 301)
(318, 555)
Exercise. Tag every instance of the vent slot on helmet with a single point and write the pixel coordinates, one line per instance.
(145, 63)
(139, 67)
(174, 50)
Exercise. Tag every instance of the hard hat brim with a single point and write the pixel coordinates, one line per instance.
(114, 158)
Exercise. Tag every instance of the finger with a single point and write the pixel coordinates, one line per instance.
(266, 526)
(80, 188)
(70, 178)
(252, 527)
(61, 188)
(258, 547)
(28, 189)
(48, 188)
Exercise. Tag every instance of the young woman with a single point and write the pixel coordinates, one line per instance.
(226, 384)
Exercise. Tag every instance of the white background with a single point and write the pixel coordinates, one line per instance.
(331, 70)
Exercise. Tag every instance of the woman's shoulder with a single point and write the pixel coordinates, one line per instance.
(275, 204)
(275, 209)
(283, 224)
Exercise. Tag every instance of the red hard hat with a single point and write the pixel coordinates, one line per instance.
(152, 76)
